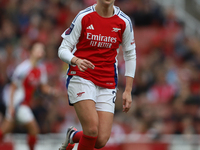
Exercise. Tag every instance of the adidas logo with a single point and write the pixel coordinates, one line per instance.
(90, 27)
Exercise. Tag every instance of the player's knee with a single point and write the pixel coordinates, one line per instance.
(92, 131)
(100, 146)
(101, 142)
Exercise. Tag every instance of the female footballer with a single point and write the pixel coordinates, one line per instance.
(90, 47)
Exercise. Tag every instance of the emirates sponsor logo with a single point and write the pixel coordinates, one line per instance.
(101, 38)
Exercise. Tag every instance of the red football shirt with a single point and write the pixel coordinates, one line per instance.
(97, 39)
(27, 78)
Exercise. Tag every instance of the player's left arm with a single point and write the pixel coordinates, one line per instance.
(129, 54)
(130, 67)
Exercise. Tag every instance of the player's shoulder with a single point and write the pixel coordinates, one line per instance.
(24, 65)
(123, 16)
(88, 10)
(84, 12)
(22, 68)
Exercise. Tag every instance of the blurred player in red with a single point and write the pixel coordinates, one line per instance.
(90, 47)
(28, 76)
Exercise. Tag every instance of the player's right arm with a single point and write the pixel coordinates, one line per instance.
(65, 54)
(70, 39)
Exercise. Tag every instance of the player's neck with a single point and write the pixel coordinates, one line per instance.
(105, 11)
(33, 61)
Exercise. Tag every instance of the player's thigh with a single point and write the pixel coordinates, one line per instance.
(105, 106)
(80, 89)
(106, 99)
(105, 127)
(88, 116)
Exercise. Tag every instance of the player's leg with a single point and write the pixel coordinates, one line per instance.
(8, 124)
(88, 117)
(104, 129)
(105, 105)
(82, 94)
(29, 121)
(33, 130)
(7, 127)
(105, 120)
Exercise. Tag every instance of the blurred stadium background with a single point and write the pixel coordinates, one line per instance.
(166, 94)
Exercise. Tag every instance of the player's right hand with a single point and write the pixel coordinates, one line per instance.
(84, 64)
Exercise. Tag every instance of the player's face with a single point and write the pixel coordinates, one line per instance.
(38, 51)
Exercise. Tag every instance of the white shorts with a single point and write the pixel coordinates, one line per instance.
(23, 114)
(80, 89)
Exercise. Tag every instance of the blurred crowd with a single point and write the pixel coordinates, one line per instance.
(166, 90)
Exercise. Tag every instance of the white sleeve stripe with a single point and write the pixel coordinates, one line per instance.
(131, 28)
(93, 7)
(118, 13)
(82, 12)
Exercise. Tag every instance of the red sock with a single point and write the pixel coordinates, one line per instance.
(31, 141)
(70, 146)
(87, 142)
(77, 136)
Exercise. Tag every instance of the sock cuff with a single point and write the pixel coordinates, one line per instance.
(89, 137)
(76, 136)
(74, 133)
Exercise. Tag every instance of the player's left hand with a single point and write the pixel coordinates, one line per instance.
(127, 101)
